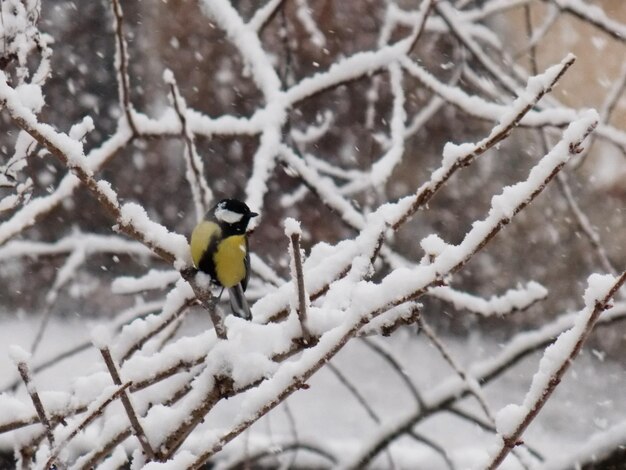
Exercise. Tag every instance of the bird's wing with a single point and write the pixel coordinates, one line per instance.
(246, 262)
(201, 238)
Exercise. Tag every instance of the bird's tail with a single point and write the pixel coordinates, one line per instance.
(238, 302)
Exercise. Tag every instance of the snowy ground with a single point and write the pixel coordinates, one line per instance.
(590, 398)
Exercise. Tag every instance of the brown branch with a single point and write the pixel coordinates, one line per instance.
(98, 455)
(130, 411)
(511, 440)
(112, 208)
(299, 281)
(22, 367)
(443, 350)
(584, 224)
(426, 192)
(206, 299)
(223, 387)
(85, 422)
(419, 28)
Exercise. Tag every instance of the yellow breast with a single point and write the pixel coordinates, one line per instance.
(229, 260)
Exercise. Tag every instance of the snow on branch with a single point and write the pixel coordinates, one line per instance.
(350, 145)
(594, 15)
(131, 218)
(511, 301)
(456, 156)
(513, 420)
(202, 194)
(369, 300)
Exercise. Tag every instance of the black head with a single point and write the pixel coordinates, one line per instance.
(232, 215)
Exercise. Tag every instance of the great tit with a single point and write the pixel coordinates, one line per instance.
(219, 248)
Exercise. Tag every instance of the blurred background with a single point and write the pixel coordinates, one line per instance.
(544, 243)
(576, 227)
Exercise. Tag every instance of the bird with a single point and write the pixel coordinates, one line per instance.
(219, 248)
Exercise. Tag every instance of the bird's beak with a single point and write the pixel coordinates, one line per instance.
(253, 214)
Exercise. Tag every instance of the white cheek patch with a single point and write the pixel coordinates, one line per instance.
(230, 217)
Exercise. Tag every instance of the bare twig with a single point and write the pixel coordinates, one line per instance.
(252, 457)
(584, 224)
(296, 254)
(121, 65)
(434, 446)
(395, 365)
(354, 391)
(425, 8)
(581, 218)
(22, 367)
(472, 384)
(130, 411)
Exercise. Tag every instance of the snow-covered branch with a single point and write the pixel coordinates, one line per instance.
(353, 120)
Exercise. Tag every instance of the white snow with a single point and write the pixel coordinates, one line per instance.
(18, 354)
(292, 227)
(101, 337)
(30, 96)
(152, 280)
(135, 215)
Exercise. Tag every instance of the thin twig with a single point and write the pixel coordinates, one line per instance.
(581, 218)
(122, 65)
(291, 419)
(22, 367)
(130, 411)
(299, 280)
(85, 422)
(427, 191)
(425, 10)
(584, 224)
(354, 391)
(314, 448)
(434, 446)
(511, 439)
(395, 365)
(472, 384)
